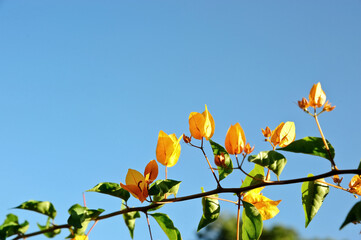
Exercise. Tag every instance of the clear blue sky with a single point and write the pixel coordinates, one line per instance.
(85, 87)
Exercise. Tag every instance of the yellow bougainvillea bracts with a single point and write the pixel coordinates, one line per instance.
(283, 135)
(83, 237)
(201, 125)
(235, 139)
(355, 185)
(317, 96)
(168, 149)
(137, 184)
(316, 99)
(266, 207)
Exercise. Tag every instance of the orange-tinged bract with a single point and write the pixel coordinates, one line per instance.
(303, 104)
(168, 149)
(201, 125)
(317, 96)
(355, 185)
(284, 134)
(266, 207)
(151, 172)
(137, 184)
(235, 139)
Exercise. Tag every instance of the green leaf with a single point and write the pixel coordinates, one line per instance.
(211, 210)
(223, 172)
(257, 173)
(353, 216)
(11, 227)
(161, 188)
(310, 145)
(359, 165)
(129, 219)
(81, 216)
(47, 226)
(270, 159)
(252, 222)
(46, 208)
(313, 195)
(113, 189)
(167, 226)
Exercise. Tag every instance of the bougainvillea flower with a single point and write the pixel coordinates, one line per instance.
(136, 185)
(168, 149)
(303, 104)
(355, 185)
(266, 207)
(151, 172)
(327, 107)
(317, 96)
(201, 125)
(235, 139)
(266, 132)
(284, 134)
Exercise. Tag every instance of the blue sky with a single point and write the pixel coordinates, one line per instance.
(85, 87)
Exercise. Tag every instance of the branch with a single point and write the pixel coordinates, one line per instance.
(204, 194)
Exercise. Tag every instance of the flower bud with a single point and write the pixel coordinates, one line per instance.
(303, 104)
(186, 139)
(336, 179)
(219, 160)
(266, 133)
(235, 139)
(248, 149)
(327, 107)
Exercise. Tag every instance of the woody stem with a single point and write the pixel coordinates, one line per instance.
(324, 141)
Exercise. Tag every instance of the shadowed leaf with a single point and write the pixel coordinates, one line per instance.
(258, 175)
(223, 171)
(310, 145)
(167, 226)
(129, 219)
(47, 226)
(353, 216)
(252, 222)
(271, 160)
(45, 207)
(113, 189)
(313, 195)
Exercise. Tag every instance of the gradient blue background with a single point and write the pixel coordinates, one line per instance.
(85, 87)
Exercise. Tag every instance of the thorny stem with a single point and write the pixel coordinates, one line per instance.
(200, 195)
(238, 213)
(150, 231)
(324, 141)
